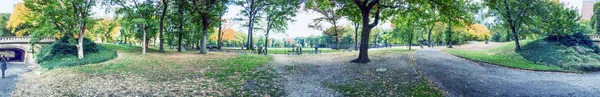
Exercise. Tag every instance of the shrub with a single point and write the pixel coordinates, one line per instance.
(102, 54)
(575, 39)
(65, 46)
(496, 37)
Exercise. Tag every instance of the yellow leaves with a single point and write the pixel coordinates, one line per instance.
(21, 32)
(479, 31)
(228, 32)
(18, 17)
(227, 35)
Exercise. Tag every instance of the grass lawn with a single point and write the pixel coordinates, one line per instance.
(157, 74)
(504, 56)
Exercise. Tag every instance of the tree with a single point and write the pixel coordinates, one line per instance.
(251, 9)
(66, 18)
(208, 10)
(278, 14)
(379, 10)
(82, 10)
(563, 20)
(227, 34)
(104, 29)
(329, 11)
(595, 23)
(220, 32)
(514, 13)
(142, 16)
(19, 20)
(165, 4)
(3, 21)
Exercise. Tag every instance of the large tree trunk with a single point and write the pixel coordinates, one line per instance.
(220, 40)
(429, 44)
(249, 45)
(516, 36)
(450, 35)
(144, 42)
(204, 33)
(80, 40)
(180, 37)
(337, 36)
(162, 19)
(267, 35)
(267, 41)
(220, 34)
(363, 55)
(356, 36)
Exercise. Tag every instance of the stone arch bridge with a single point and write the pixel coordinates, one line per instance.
(18, 49)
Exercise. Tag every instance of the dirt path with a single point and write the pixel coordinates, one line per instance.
(7, 85)
(312, 75)
(480, 45)
(303, 78)
(460, 78)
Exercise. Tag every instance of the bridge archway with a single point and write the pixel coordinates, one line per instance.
(14, 54)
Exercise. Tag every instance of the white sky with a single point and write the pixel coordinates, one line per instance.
(299, 28)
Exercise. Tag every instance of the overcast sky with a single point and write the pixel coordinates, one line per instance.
(299, 28)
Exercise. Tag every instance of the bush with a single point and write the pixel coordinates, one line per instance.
(102, 54)
(63, 53)
(575, 39)
(496, 37)
(65, 46)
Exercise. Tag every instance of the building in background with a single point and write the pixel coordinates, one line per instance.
(587, 9)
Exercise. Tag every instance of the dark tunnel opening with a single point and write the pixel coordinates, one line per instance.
(14, 54)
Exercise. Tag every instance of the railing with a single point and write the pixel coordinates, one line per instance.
(595, 37)
(24, 39)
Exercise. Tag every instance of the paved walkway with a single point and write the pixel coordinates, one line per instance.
(459, 77)
(7, 85)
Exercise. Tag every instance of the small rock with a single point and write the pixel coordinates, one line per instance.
(579, 50)
(380, 69)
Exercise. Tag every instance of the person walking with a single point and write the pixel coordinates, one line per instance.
(3, 64)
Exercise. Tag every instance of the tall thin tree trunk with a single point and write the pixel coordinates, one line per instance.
(516, 36)
(356, 36)
(205, 28)
(251, 27)
(80, 40)
(144, 42)
(429, 36)
(180, 37)
(267, 41)
(220, 40)
(267, 35)
(162, 19)
(337, 36)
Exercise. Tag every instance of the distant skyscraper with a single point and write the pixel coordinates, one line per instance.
(587, 9)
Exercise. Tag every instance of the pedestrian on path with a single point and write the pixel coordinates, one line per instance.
(3, 63)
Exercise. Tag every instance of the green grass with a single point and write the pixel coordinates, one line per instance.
(504, 56)
(424, 89)
(574, 58)
(239, 74)
(102, 55)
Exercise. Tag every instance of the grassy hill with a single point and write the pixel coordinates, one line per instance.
(537, 55)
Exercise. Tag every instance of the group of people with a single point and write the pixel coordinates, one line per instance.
(3, 64)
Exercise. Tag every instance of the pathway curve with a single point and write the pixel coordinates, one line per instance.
(459, 77)
(303, 76)
(7, 85)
